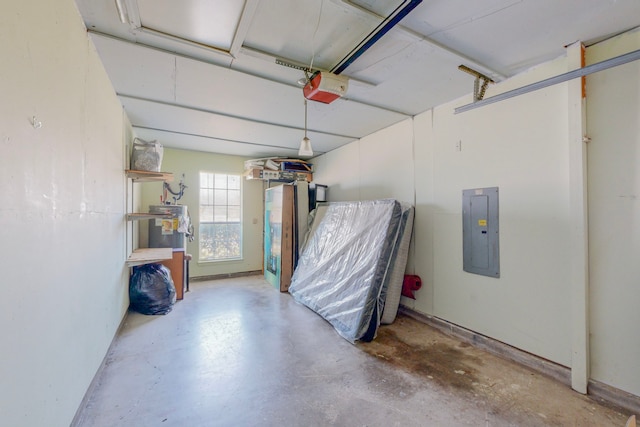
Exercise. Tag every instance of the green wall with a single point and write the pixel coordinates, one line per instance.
(191, 163)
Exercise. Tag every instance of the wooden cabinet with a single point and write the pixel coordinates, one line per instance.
(178, 272)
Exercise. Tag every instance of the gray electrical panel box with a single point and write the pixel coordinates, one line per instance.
(481, 251)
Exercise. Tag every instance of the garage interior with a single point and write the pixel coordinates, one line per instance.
(443, 97)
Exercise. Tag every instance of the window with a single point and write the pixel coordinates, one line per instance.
(220, 228)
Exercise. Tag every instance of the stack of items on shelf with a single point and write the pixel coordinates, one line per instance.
(278, 169)
(351, 267)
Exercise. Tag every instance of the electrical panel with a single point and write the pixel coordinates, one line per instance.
(480, 231)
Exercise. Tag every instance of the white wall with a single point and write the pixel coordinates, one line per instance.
(340, 170)
(613, 120)
(520, 146)
(368, 168)
(190, 163)
(62, 250)
(378, 166)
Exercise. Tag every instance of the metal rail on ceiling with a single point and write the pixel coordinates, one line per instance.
(425, 39)
(382, 29)
(580, 72)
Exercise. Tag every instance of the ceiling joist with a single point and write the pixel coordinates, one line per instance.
(243, 26)
(231, 116)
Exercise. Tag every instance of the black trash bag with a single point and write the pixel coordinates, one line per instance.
(151, 289)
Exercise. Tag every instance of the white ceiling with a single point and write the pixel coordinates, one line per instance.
(203, 75)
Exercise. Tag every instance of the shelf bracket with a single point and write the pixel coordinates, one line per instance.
(479, 88)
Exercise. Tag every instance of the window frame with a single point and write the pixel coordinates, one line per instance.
(211, 187)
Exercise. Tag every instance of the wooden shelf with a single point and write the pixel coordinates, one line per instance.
(145, 215)
(147, 176)
(149, 255)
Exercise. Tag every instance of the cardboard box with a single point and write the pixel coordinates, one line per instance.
(279, 236)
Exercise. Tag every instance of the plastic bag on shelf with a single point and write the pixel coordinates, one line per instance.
(146, 155)
(151, 289)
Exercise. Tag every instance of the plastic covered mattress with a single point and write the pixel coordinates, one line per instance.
(392, 290)
(345, 265)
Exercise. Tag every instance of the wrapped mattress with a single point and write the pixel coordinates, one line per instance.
(392, 290)
(345, 265)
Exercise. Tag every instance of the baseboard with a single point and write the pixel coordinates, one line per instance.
(78, 419)
(558, 372)
(596, 390)
(224, 276)
(611, 395)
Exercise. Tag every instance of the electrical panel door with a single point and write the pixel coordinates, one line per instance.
(480, 238)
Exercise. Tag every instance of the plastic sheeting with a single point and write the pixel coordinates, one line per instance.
(344, 267)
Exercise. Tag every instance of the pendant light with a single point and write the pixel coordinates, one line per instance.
(305, 145)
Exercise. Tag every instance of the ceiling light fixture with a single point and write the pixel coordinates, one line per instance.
(128, 13)
(122, 11)
(305, 145)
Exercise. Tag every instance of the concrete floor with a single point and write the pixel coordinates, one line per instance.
(236, 352)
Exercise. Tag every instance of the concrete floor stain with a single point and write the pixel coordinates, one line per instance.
(436, 361)
(522, 395)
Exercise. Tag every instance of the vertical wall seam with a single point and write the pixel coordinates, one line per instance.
(577, 214)
(175, 79)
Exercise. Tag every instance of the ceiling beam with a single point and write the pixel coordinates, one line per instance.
(180, 40)
(249, 10)
(213, 138)
(252, 52)
(218, 113)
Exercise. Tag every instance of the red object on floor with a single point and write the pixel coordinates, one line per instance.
(410, 285)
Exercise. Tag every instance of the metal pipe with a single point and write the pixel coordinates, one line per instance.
(580, 72)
